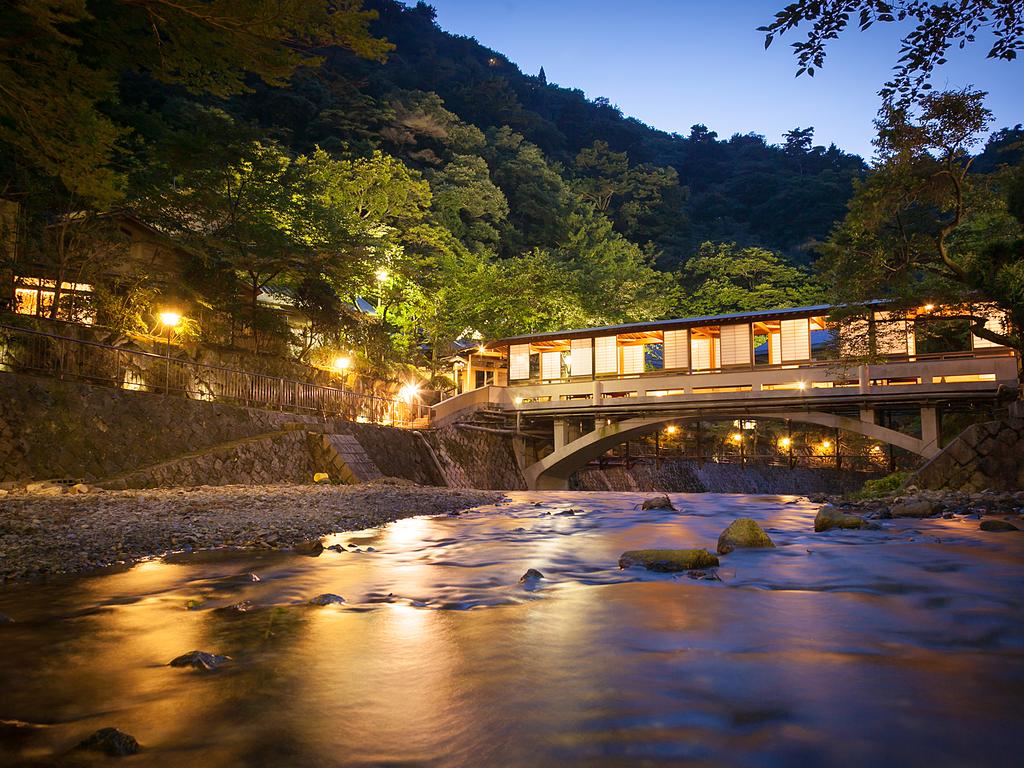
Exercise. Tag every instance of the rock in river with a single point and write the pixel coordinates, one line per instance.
(111, 741)
(915, 508)
(531, 575)
(668, 560)
(997, 526)
(313, 548)
(658, 502)
(327, 598)
(829, 517)
(200, 660)
(743, 533)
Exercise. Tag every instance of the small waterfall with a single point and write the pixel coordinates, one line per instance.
(689, 476)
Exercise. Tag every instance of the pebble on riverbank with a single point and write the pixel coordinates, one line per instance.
(45, 535)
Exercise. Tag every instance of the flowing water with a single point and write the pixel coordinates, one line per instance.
(903, 646)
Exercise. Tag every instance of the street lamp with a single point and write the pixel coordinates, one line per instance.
(382, 277)
(170, 320)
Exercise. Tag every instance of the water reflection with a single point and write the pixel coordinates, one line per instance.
(844, 648)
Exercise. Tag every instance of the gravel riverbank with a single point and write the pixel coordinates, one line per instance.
(44, 535)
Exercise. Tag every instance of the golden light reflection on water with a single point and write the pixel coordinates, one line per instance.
(440, 656)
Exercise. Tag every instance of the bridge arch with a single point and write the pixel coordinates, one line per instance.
(554, 470)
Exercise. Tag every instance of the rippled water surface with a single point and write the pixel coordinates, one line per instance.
(903, 646)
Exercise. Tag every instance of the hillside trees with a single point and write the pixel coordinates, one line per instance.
(923, 229)
(61, 60)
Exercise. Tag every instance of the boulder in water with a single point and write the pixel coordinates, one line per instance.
(997, 526)
(658, 502)
(668, 560)
(313, 548)
(915, 508)
(327, 598)
(110, 741)
(743, 533)
(531, 575)
(829, 517)
(200, 660)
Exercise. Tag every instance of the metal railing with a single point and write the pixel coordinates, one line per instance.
(39, 353)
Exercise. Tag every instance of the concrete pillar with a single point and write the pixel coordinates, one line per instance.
(598, 390)
(863, 379)
(867, 415)
(563, 434)
(930, 429)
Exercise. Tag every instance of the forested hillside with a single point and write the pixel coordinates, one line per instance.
(673, 191)
(386, 159)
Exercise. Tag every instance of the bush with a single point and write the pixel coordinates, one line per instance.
(883, 486)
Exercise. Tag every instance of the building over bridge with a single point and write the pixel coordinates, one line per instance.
(570, 396)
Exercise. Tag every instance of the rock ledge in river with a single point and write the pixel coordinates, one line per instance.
(110, 741)
(743, 533)
(668, 560)
(327, 598)
(658, 502)
(200, 660)
(829, 517)
(997, 526)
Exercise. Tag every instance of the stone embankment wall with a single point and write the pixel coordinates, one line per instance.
(682, 476)
(475, 459)
(987, 456)
(56, 430)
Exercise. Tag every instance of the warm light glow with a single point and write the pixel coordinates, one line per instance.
(342, 363)
(382, 275)
(928, 307)
(408, 393)
(519, 401)
(826, 444)
(362, 420)
(801, 385)
(170, 319)
(737, 437)
(671, 429)
(785, 442)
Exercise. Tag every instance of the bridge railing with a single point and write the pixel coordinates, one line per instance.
(29, 351)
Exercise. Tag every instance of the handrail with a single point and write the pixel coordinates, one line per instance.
(27, 350)
(795, 365)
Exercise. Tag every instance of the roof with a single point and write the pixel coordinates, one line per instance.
(661, 325)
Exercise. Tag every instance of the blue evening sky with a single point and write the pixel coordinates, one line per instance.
(673, 63)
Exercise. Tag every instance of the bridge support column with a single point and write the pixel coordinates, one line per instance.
(566, 430)
(930, 429)
(867, 415)
(863, 379)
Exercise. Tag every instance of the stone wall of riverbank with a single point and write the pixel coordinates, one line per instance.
(58, 430)
(476, 459)
(987, 456)
(683, 476)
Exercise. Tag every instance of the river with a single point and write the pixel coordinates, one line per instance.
(901, 646)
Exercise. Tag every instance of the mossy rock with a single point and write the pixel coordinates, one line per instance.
(829, 517)
(997, 526)
(743, 533)
(668, 560)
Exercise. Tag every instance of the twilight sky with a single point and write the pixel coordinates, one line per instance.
(673, 63)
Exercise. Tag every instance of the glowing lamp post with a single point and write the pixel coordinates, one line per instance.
(408, 394)
(170, 320)
(382, 277)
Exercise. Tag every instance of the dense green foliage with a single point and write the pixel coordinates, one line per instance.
(338, 152)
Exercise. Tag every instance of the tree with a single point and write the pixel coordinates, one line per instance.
(265, 218)
(723, 278)
(921, 229)
(61, 61)
(542, 77)
(939, 27)
(467, 202)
